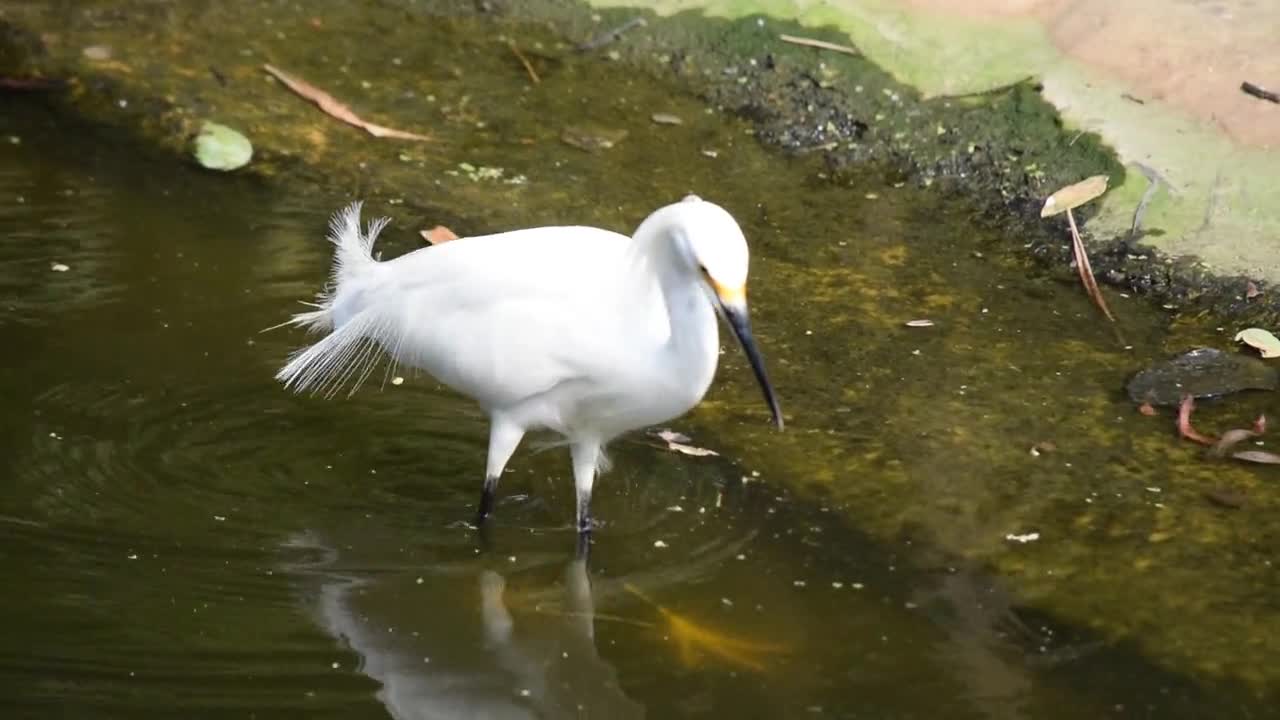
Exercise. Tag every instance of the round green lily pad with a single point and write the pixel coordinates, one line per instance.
(218, 147)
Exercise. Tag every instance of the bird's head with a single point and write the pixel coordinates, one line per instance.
(714, 249)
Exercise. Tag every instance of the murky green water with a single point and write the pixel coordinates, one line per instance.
(179, 537)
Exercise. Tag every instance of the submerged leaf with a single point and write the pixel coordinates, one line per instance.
(1261, 340)
(1073, 196)
(1231, 438)
(1257, 456)
(218, 147)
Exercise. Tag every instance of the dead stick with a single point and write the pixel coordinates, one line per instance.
(528, 67)
(1251, 89)
(822, 44)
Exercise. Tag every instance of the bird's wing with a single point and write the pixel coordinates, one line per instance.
(503, 318)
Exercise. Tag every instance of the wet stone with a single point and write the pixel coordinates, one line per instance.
(1201, 373)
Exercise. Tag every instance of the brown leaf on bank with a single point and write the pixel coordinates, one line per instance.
(1147, 409)
(1184, 423)
(438, 234)
(1085, 269)
(1073, 196)
(334, 108)
(1251, 290)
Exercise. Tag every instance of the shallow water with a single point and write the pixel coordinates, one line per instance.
(180, 537)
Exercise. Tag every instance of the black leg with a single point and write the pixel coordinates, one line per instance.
(486, 501)
(583, 550)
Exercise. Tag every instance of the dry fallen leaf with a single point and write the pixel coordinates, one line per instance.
(1261, 340)
(438, 234)
(1075, 195)
(1147, 409)
(666, 119)
(1251, 290)
(332, 107)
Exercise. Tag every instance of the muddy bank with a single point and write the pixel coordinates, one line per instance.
(1006, 148)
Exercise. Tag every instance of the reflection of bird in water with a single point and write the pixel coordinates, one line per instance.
(577, 330)
(561, 675)
(551, 670)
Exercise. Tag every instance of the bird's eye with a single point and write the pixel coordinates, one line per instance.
(703, 269)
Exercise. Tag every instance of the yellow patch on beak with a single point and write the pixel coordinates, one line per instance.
(730, 295)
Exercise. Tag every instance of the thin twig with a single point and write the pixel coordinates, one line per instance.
(609, 36)
(1084, 269)
(1153, 184)
(1260, 93)
(27, 83)
(821, 44)
(528, 67)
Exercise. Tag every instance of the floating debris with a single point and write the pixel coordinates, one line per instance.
(919, 323)
(666, 119)
(218, 147)
(591, 139)
(97, 53)
(1023, 538)
(677, 443)
(59, 267)
(609, 36)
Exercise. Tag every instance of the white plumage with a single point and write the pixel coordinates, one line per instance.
(577, 330)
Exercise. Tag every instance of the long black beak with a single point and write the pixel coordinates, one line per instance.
(740, 322)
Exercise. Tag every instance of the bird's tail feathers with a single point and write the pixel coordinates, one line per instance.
(352, 259)
(349, 353)
(356, 342)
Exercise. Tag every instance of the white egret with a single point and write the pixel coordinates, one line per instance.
(577, 330)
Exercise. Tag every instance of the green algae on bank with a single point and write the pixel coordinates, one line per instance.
(920, 435)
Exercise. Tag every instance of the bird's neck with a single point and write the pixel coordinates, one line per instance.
(687, 331)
